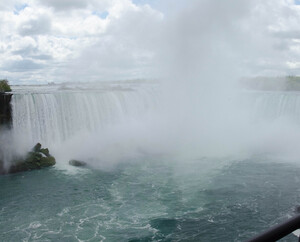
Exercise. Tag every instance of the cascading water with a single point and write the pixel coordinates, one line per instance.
(272, 105)
(53, 115)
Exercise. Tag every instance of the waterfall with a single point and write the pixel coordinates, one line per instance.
(114, 122)
(51, 116)
(272, 105)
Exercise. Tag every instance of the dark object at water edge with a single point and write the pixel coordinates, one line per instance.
(279, 231)
(77, 163)
(5, 110)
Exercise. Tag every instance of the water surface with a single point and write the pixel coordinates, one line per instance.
(152, 200)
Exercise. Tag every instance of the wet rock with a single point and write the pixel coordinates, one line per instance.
(45, 152)
(77, 163)
(5, 109)
(2, 170)
(37, 147)
(36, 159)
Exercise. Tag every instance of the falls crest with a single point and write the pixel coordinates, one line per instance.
(117, 122)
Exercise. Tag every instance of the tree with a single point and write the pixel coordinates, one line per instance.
(4, 86)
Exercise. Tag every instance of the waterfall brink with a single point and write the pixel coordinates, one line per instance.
(53, 116)
(116, 122)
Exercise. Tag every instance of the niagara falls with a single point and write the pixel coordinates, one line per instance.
(139, 120)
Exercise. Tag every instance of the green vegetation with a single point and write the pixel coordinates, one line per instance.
(38, 158)
(279, 83)
(293, 78)
(4, 86)
(293, 83)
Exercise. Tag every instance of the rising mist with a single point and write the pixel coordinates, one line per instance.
(200, 56)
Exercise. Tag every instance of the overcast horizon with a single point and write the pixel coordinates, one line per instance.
(88, 40)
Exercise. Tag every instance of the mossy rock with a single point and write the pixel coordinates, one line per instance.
(47, 161)
(45, 152)
(36, 159)
(37, 147)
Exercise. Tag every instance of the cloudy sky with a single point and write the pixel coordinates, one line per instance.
(88, 40)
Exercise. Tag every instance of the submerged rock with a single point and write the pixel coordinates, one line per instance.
(77, 163)
(36, 159)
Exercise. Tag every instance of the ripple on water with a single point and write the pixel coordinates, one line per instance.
(148, 204)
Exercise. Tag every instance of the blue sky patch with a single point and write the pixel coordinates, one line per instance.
(102, 15)
(19, 8)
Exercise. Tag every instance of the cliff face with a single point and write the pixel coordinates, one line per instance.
(5, 110)
(5, 119)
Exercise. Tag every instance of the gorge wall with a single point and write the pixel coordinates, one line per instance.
(5, 110)
(5, 120)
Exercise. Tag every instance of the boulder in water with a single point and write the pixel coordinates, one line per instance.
(77, 163)
(36, 159)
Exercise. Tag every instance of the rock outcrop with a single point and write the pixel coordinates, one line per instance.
(5, 110)
(38, 158)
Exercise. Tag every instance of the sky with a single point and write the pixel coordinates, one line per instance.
(45, 41)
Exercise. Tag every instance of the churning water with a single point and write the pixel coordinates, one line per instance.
(136, 187)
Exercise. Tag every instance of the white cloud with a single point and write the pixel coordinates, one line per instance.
(57, 36)
(66, 4)
(59, 40)
(274, 27)
(36, 26)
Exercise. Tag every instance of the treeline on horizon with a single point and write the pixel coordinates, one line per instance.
(264, 83)
(279, 83)
(4, 86)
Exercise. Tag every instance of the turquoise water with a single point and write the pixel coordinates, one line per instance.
(150, 200)
(142, 187)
